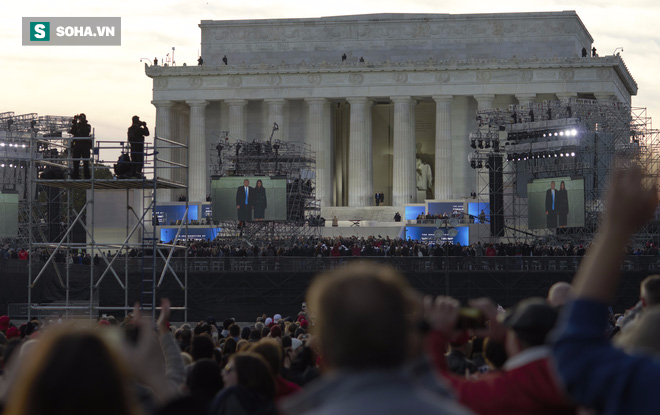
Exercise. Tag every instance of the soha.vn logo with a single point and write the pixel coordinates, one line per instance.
(39, 31)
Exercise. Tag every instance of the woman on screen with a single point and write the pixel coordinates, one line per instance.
(562, 205)
(260, 204)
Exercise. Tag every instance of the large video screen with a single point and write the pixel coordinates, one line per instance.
(441, 208)
(170, 214)
(427, 234)
(167, 234)
(265, 199)
(556, 202)
(412, 212)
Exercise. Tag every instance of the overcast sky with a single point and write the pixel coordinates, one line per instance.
(108, 83)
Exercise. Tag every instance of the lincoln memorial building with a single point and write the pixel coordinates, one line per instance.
(375, 96)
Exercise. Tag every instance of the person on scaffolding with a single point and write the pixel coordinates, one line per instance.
(136, 133)
(80, 145)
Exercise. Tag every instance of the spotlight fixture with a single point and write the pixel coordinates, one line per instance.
(473, 144)
(473, 164)
(487, 144)
(572, 154)
(480, 164)
(481, 143)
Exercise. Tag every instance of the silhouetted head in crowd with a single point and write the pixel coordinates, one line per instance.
(204, 380)
(201, 347)
(72, 373)
(234, 330)
(650, 290)
(229, 347)
(528, 325)
(365, 305)
(250, 371)
(255, 335)
(228, 322)
(245, 333)
(271, 351)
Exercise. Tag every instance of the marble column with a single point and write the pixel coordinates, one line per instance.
(443, 156)
(318, 133)
(237, 118)
(404, 177)
(526, 99)
(360, 163)
(197, 167)
(484, 102)
(275, 114)
(180, 131)
(163, 130)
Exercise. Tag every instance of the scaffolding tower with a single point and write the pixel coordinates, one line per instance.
(294, 161)
(58, 215)
(577, 138)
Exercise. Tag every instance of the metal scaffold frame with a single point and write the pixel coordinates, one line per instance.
(294, 161)
(574, 137)
(54, 208)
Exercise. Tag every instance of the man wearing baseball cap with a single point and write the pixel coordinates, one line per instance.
(527, 383)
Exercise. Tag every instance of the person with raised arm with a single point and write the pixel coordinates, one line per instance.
(594, 373)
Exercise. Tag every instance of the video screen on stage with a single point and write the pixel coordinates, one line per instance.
(440, 208)
(556, 202)
(428, 234)
(248, 198)
(170, 214)
(207, 211)
(412, 212)
(167, 235)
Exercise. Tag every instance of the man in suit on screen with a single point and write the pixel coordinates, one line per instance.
(244, 201)
(551, 206)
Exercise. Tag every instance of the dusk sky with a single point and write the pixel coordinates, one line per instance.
(108, 82)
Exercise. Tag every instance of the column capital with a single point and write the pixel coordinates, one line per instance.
(197, 102)
(162, 104)
(443, 98)
(320, 100)
(236, 102)
(401, 98)
(358, 100)
(484, 97)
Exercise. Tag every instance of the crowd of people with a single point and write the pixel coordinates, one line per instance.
(365, 342)
(340, 247)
